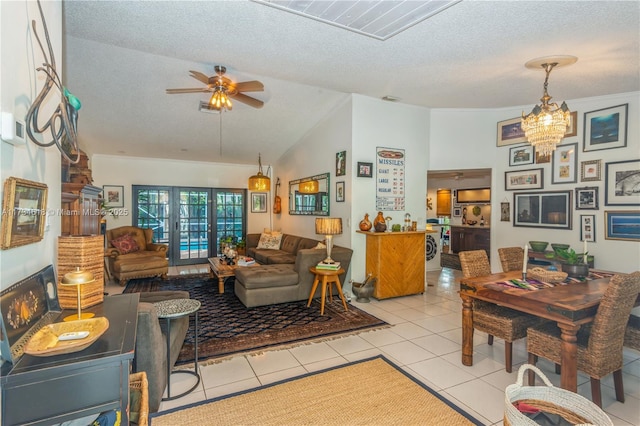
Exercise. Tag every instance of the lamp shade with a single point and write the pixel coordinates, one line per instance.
(328, 226)
(259, 182)
(309, 187)
(77, 277)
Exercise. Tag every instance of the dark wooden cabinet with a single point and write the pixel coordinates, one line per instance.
(468, 238)
(80, 209)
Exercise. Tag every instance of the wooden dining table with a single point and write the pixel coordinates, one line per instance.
(571, 305)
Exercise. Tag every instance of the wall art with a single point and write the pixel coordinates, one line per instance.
(510, 132)
(543, 209)
(590, 170)
(605, 128)
(113, 196)
(365, 169)
(564, 164)
(588, 227)
(341, 163)
(340, 191)
(587, 198)
(521, 155)
(390, 179)
(622, 183)
(457, 212)
(505, 212)
(24, 211)
(259, 202)
(622, 225)
(523, 180)
(572, 128)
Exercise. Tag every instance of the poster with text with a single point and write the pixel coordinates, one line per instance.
(389, 179)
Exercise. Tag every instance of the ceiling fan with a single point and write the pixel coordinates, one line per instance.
(223, 90)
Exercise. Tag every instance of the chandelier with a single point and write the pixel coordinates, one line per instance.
(546, 125)
(259, 182)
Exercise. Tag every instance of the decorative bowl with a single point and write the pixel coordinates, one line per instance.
(538, 246)
(557, 247)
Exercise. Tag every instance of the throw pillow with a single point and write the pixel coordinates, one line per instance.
(320, 246)
(125, 244)
(270, 241)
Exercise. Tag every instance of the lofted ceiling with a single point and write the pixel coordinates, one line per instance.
(120, 56)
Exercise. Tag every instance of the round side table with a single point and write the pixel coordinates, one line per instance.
(326, 277)
(172, 309)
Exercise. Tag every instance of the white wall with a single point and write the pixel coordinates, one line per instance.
(20, 84)
(128, 171)
(377, 123)
(467, 139)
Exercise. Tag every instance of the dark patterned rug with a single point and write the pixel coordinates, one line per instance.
(227, 327)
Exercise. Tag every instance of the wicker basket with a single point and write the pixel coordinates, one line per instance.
(86, 252)
(574, 408)
(546, 276)
(138, 382)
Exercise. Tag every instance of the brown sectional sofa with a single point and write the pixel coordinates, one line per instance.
(283, 275)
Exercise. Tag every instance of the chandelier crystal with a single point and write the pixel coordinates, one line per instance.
(546, 125)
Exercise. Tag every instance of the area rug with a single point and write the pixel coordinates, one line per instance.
(368, 392)
(227, 327)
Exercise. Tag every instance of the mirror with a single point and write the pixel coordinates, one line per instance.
(314, 203)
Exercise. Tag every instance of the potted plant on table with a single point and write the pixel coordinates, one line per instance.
(573, 263)
(241, 246)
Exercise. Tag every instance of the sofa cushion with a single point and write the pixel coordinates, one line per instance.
(125, 244)
(139, 264)
(307, 243)
(270, 241)
(267, 276)
(290, 243)
(280, 257)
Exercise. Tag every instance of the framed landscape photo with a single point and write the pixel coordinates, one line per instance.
(24, 210)
(542, 209)
(588, 227)
(590, 170)
(521, 155)
(340, 192)
(365, 169)
(510, 132)
(605, 128)
(622, 180)
(259, 202)
(564, 164)
(523, 180)
(622, 225)
(587, 198)
(113, 195)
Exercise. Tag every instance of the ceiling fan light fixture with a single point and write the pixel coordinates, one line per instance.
(545, 126)
(259, 182)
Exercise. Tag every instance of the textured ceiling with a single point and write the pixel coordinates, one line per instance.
(120, 56)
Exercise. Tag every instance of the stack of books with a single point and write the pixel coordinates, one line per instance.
(331, 266)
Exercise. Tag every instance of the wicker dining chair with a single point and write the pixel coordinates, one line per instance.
(511, 258)
(599, 343)
(498, 321)
(632, 333)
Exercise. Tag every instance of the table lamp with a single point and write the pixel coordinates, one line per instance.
(78, 278)
(329, 226)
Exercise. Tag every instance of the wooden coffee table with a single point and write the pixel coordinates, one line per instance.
(221, 270)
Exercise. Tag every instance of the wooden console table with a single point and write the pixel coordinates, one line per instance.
(54, 389)
(397, 260)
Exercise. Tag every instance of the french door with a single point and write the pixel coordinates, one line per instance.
(190, 220)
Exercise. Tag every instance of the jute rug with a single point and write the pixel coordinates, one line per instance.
(226, 327)
(369, 392)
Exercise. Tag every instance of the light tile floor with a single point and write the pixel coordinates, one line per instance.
(425, 340)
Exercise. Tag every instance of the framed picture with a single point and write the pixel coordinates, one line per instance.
(590, 170)
(24, 210)
(587, 198)
(113, 195)
(457, 212)
(454, 198)
(341, 163)
(523, 180)
(340, 192)
(541, 159)
(622, 180)
(605, 128)
(259, 202)
(564, 164)
(365, 169)
(622, 225)
(505, 212)
(521, 155)
(510, 132)
(572, 129)
(542, 209)
(588, 227)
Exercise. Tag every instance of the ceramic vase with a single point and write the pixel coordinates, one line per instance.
(365, 224)
(379, 224)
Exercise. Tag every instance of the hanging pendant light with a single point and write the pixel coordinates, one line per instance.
(259, 182)
(309, 187)
(546, 125)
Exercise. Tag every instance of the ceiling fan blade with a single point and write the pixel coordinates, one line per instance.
(200, 77)
(175, 91)
(247, 100)
(249, 86)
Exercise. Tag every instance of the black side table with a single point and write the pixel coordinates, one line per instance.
(177, 308)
